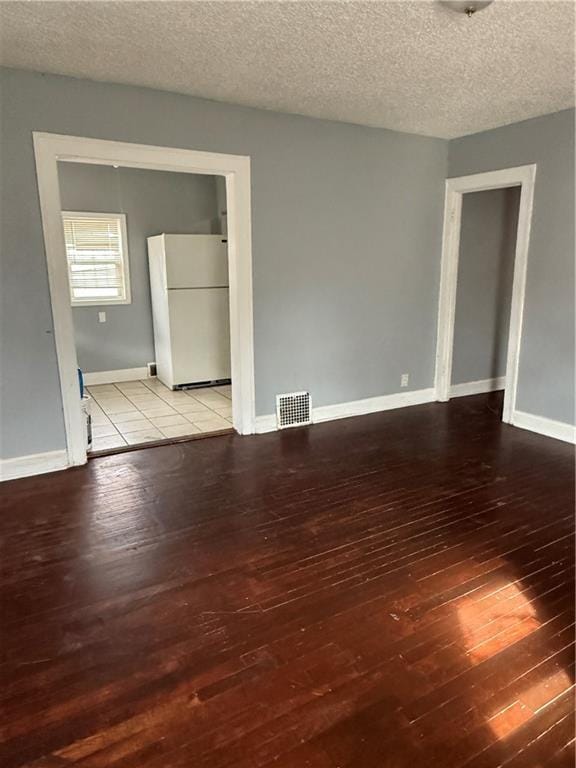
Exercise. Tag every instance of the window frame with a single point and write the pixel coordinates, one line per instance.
(121, 217)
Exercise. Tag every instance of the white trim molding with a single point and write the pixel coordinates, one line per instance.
(115, 377)
(478, 387)
(543, 426)
(267, 423)
(373, 405)
(35, 464)
(524, 177)
(323, 413)
(49, 149)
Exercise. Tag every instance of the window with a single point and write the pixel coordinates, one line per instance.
(97, 258)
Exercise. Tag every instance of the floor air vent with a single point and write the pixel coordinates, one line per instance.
(294, 409)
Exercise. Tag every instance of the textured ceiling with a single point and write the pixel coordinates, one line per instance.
(412, 65)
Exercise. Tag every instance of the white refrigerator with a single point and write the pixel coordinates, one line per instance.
(190, 308)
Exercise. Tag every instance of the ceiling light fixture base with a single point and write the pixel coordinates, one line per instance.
(467, 7)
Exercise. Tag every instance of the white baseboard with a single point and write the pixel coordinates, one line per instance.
(477, 387)
(115, 377)
(373, 405)
(543, 426)
(267, 423)
(35, 464)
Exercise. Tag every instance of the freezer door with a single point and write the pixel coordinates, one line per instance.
(196, 261)
(200, 334)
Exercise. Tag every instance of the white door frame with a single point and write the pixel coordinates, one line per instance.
(50, 148)
(524, 177)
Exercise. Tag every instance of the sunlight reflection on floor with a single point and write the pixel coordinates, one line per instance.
(490, 625)
(496, 621)
(528, 703)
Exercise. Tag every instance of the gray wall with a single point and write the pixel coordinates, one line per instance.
(546, 374)
(346, 241)
(484, 290)
(154, 202)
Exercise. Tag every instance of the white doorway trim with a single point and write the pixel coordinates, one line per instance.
(524, 177)
(49, 149)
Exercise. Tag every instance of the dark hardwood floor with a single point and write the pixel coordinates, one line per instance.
(386, 591)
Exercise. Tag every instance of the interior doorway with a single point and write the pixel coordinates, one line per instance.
(484, 290)
(147, 256)
(497, 362)
(53, 151)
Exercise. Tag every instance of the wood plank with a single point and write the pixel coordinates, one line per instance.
(389, 590)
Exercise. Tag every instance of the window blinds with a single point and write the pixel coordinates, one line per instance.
(95, 253)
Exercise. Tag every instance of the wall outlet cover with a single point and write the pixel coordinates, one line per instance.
(404, 380)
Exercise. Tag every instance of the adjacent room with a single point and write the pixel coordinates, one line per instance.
(148, 273)
(288, 391)
(488, 238)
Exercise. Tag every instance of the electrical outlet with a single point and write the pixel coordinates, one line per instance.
(101, 317)
(404, 380)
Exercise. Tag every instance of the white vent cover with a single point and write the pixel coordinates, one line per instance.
(293, 409)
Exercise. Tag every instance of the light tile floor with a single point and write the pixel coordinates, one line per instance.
(136, 412)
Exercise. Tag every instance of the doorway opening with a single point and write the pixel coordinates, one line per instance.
(149, 260)
(484, 258)
(484, 291)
